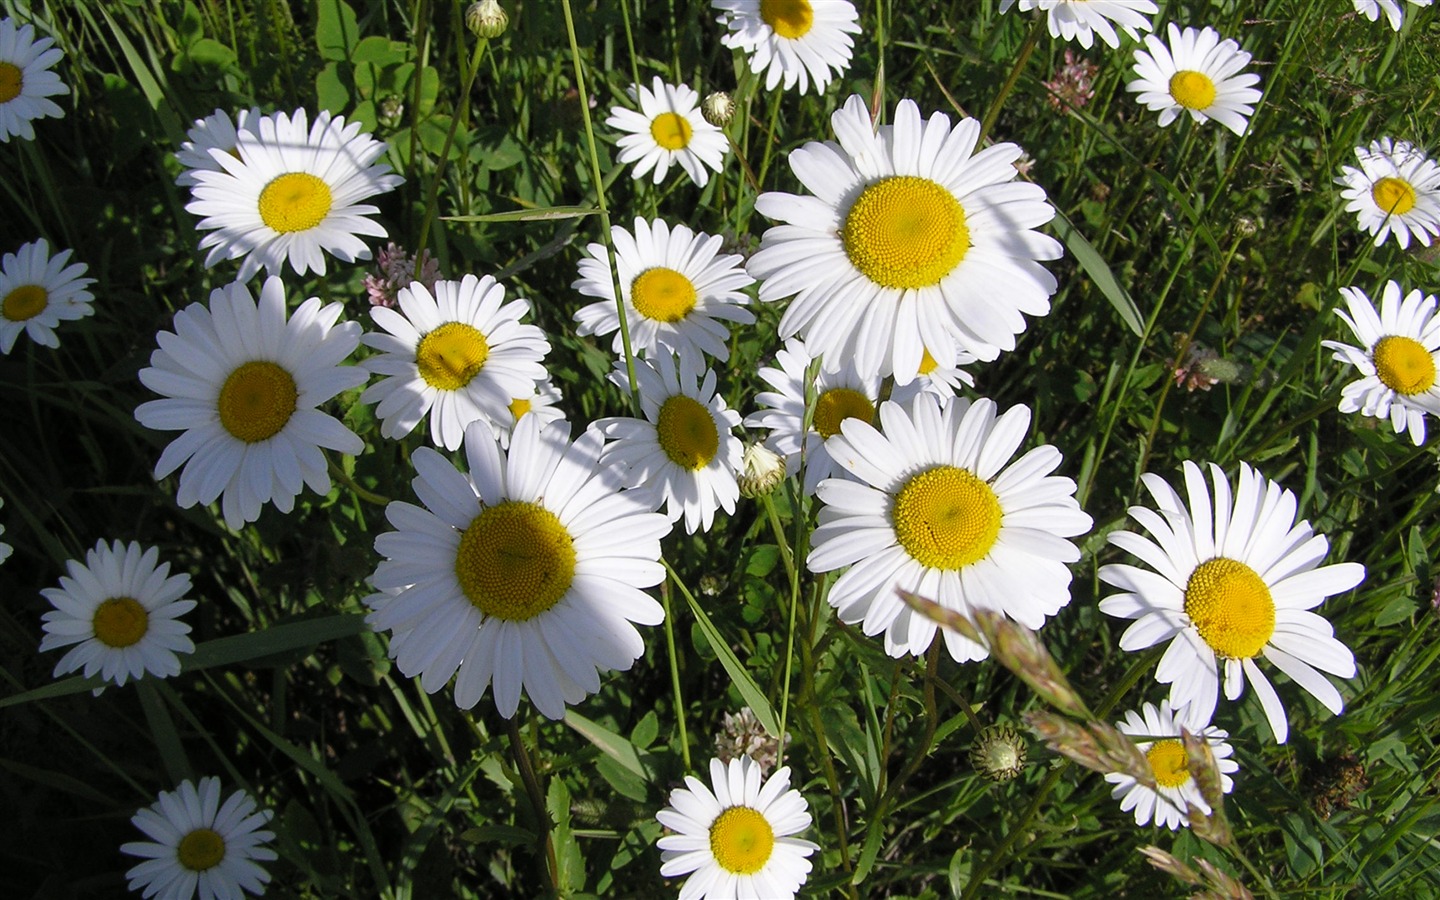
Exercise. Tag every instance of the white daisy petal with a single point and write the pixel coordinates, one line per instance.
(1400, 353)
(668, 129)
(27, 79)
(38, 291)
(797, 43)
(201, 844)
(1195, 73)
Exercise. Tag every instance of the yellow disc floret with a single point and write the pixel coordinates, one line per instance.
(686, 432)
(295, 201)
(671, 131)
(946, 518)
(12, 81)
(1404, 365)
(905, 232)
(789, 19)
(201, 849)
(1394, 196)
(120, 622)
(741, 840)
(928, 363)
(1231, 607)
(519, 407)
(838, 404)
(256, 401)
(662, 294)
(451, 355)
(1192, 90)
(515, 561)
(25, 302)
(1168, 763)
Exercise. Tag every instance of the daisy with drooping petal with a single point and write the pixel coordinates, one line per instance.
(938, 512)
(458, 355)
(934, 377)
(1234, 578)
(38, 292)
(216, 131)
(678, 291)
(1196, 73)
(1398, 356)
(122, 610)
(199, 846)
(1177, 791)
(291, 191)
(26, 82)
(669, 128)
(734, 838)
(1370, 9)
(243, 383)
(912, 240)
(539, 402)
(1081, 20)
(791, 41)
(1395, 190)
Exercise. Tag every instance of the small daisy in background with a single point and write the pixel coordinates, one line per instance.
(243, 382)
(197, 845)
(540, 401)
(1235, 577)
(458, 356)
(669, 128)
(292, 192)
(791, 41)
(1397, 357)
(679, 292)
(38, 292)
(1371, 10)
(216, 131)
(1196, 73)
(734, 838)
(26, 81)
(1169, 806)
(1081, 20)
(122, 610)
(934, 377)
(1395, 190)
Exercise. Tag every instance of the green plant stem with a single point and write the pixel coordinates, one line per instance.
(1021, 59)
(422, 38)
(344, 478)
(675, 672)
(461, 110)
(794, 580)
(922, 749)
(545, 841)
(630, 42)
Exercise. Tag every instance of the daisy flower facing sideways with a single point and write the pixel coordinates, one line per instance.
(669, 128)
(938, 512)
(290, 191)
(1398, 355)
(734, 838)
(38, 292)
(1196, 73)
(791, 41)
(457, 355)
(538, 400)
(1081, 20)
(216, 131)
(1371, 9)
(1395, 190)
(243, 384)
(912, 240)
(199, 845)
(122, 610)
(1233, 579)
(1169, 806)
(26, 82)
(528, 573)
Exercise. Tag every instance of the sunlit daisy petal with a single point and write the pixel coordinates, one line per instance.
(38, 292)
(669, 128)
(1196, 73)
(539, 401)
(1396, 190)
(216, 132)
(1081, 20)
(791, 41)
(1177, 791)
(1371, 10)
(941, 377)
(26, 82)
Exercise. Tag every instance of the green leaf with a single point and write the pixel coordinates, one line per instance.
(1095, 266)
(331, 89)
(754, 697)
(335, 30)
(380, 51)
(530, 215)
(210, 53)
(610, 743)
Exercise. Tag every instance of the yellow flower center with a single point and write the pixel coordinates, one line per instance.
(741, 840)
(928, 363)
(120, 622)
(1168, 763)
(905, 232)
(295, 201)
(662, 294)
(671, 131)
(838, 404)
(687, 433)
(1394, 196)
(946, 518)
(451, 355)
(12, 81)
(201, 849)
(1192, 90)
(515, 560)
(519, 407)
(25, 302)
(1230, 607)
(1404, 365)
(788, 18)
(256, 401)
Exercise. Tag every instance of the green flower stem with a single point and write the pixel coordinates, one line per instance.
(544, 842)
(1021, 59)
(630, 43)
(675, 669)
(344, 478)
(422, 50)
(461, 111)
(794, 574)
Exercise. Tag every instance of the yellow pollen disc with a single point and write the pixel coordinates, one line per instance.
(1231, 607)
(120, 622)
(201, 849)
(686, 432)
(12, 81)
(451, 355)
(905, 232)
(296, 201)
(515, 560)
(671, 131)
(838, 404)
(741, 840)
(1168, 763)
(256, 401)
(1394, 196)
(519, 407)
(946, 518)
(928, 363)
(1404, 365)
(25, 302)
(662, 294)
(788, 18)
(1192, 90)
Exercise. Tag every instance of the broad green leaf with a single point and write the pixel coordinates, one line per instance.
(610, 743)
(335, 29)
(1095, 266)
(754, 697)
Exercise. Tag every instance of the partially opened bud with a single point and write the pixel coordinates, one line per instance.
(486, 19)
(718, 109)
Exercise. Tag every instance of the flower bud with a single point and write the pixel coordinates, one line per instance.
(486, 19)
(718, 109)
(999, 753)
(761, 470)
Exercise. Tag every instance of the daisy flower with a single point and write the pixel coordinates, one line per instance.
(1398, 355)
(243, 384)
(938, 512)
(122, 610)
(734, 838)
(791, 41)
(216, 131)
(846, 394)
(1081, 20)
(684, 454)
(1196, 73)
(291, 190)
(199, 845)
(912, 240)
(458, 355)
(1234, 578)
(669, 128)
(539, 401)
(1170, 805)
(1370, 9)
(26, 80)
(38, 292)
(1395, 190)
(678, 291)
(528, 573)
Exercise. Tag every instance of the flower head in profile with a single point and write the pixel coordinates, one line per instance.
(26, 82)
(1157, 733)
(1371, 10)
(38, 292)
(943, 379)
(539, 401)
(1395, 190)
(668, 129)
(791, 41)
(1081, 20)
(1196, 73)
(216, 132)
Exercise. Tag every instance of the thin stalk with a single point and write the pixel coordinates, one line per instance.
(794, 574)
(422, 38)
(1026, 50)
(544, 842)
(630, 43)
(675, 673)
(461, 110)
(344, 478)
